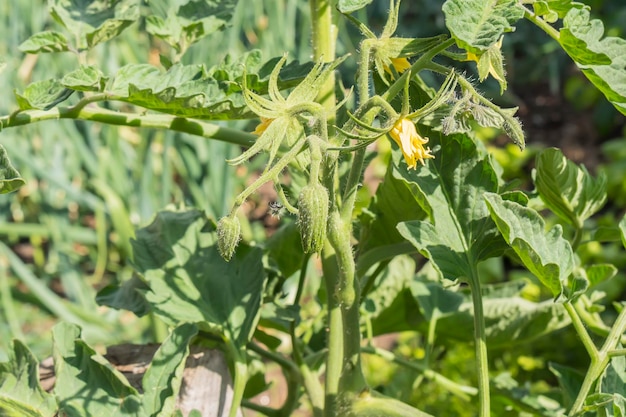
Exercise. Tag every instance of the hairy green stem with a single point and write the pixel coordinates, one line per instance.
(480, 339)
(157, 121)
(579, 326)
(309, 379)
(600, 360)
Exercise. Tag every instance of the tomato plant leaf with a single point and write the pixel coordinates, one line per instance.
(190, 282)
(567, 189)
(20, 391)
(545, 254)
(163, 378)
(190, 22)
(476, 25)
(86, 383)
(125, 296)
(10, 179)
(96, 21)
(395, 278)
(449, 188)
(85, 78)
(614, 383)
(194, 91)
(523, 399)
(379, 239)
(349, 6)
(570, 381)
(47, 41)
(43, 95)
(509, 318)
(602, 60)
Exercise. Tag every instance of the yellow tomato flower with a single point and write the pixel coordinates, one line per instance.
(410, 142)
(400, 64)
(262, 127)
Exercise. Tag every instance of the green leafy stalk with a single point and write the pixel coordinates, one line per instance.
(157, 121)
(480, 340)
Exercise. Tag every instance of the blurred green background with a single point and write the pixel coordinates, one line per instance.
(65, 235)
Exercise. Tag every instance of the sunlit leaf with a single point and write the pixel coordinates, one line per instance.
(43, 95)
(395, 278)
(191, 21)
(195, 91)
(47, 41)
(190, 282)
(163, 378)
(602, 60)
(10, 179)
(460, 232)
(86, 383)
(545, 253)
(96, 21)
(614, 383)
(478, 24)
(622, 229)
(85, 78)
(21, 394)
(509, 318)
(349, 6)
(567, 189)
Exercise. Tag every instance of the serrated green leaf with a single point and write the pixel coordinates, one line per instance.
(10, 179)
(614, 378)
(435, 301)
(379, 239)
(567, 189)
(389, 284)
(85, 78)
(96, 21)
(162, 380)
(523, 399)
(190, 282)
(476, 25)
(126, 296)
(545, 254)
(598, 273)
(449, 188)
(48, 41)
(43, 95)
(194, 91)
(349, 6)
(570, 381)
(602, 60)
(509, 318)
(86, 383)
(190, 22)
(552, 10)
(21, 395)
(285, 249)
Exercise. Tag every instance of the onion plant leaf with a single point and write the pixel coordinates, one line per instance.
(602, 60)
(20, 391)
(476, 25)
(567, 189)
(449, 189)
(546, 254)
(86, 383)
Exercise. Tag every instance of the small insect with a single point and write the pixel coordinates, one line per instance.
(276, 208)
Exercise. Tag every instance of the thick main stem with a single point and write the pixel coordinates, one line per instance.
(480, 339)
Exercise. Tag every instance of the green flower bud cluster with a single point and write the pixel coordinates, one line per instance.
(228, 236)
(313, 217)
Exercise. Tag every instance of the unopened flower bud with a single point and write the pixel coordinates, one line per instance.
(312, 217)
(228, 235)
